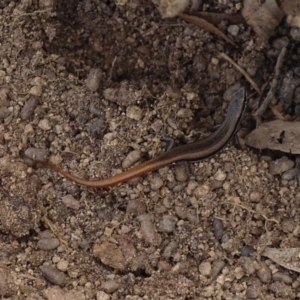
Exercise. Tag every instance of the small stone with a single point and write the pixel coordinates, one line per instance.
(280, 165)
(255, 197)
(132, 157)
(220, 175)
(4, 112)
(218, 228)
(36, 90)
(28, 108)
(251, 293)
(34, 153)
(279, 276)
(93, 80)
(110, 254)
(110, 286)
(167, 224)
(264, 273)
(102, 296)
(233, 30)
(295, 34)
(185, 113)
(97, 127)
(147, 230)
(290, 174)
(136, 207)
(53, 275)
(70, 202)
(62, 265)
(202, 191)
(156, 183)
(247, 264)
(181, 173)
(44, 124)
(170, 249)
(239, 273)
(205, 268)
(134, 112)
(280, 43)
(217, 267)
(48, 244)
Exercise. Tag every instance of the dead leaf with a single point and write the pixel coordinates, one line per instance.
(262, 16)
(217, 18)
(206, 26)
(276, 135)
(287, 257)
(292, 9)
(289, 7)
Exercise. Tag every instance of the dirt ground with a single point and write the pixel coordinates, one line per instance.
(96, 87)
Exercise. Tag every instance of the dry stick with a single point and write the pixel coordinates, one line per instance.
(273, 86)
(241, 70)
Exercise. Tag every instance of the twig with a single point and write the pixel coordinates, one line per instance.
(260, 111)
(241, 70)
(253, 211)
(111, 69)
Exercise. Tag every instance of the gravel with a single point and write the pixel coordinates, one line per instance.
(93, 85)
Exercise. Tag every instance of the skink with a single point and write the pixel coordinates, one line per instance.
(195, 151)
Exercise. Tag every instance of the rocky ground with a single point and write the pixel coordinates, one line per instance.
(94, 85)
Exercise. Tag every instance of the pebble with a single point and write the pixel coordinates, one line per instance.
(134, 112)
(36, 90)
(295, 34)
(181, 173)
(280, 43)
(97, 127)
(220, 175)
(280, 165)
(136, 207)
(247, 250)
(124, 95)
(53, 275)
(181, 212)
(110, 254)
(185, 113)
(132, 157)
(156, 183)
(217, 267)
(4, 112)
(247, 264)
(290, 174)
(251, 293)
(62, 265)
(28, 108)
(279, 276)
(218, 228)
(170, 249)
(34, 153)
(264, 273)
(288, 225)
(233, 30)
(102, 296)
(44, 125)
(48, 244)
(167, 224)
(110, 286)
(147, 230)
(70, 202)
(255, 196)
(201, 191)
(239, 273)
(205, 268)
(93, 79)
(192, 185)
